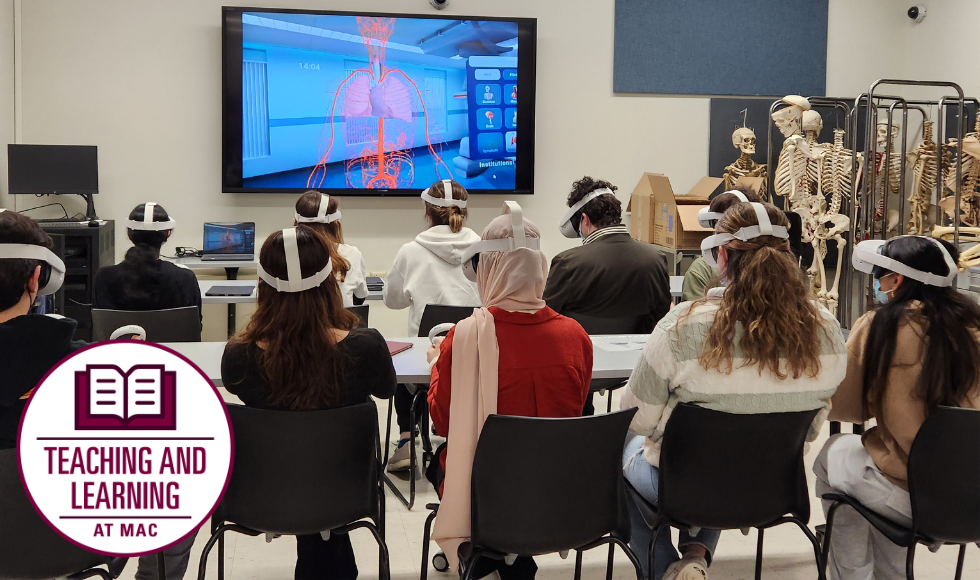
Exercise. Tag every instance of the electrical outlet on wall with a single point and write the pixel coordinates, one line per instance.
(379, 274)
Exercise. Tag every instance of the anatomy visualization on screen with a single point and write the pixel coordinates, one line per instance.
(373, 103)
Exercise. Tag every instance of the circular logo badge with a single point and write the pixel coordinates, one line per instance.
(125, 448)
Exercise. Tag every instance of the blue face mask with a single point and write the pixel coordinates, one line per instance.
(880, 295)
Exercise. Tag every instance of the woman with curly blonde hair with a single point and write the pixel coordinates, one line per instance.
(761, 344)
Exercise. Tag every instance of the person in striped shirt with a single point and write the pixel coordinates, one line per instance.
(761, 344)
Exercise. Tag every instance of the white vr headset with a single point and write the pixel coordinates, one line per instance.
(448, 201)
(765, 228)
(565, 225)
(148, 225)
(322, 217)
(707, 218)
(519, 240)
(867, 255)
(52, 274)
(295, 281)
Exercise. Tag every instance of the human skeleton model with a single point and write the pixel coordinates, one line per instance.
(886, 142)
(925, 174)
(808, 203)
(833, 180)
(744, 139)
(791, 170)
(970, 187)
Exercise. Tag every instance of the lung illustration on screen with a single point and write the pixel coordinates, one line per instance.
(377, 103)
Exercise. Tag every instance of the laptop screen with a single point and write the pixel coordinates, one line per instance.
(229, 238)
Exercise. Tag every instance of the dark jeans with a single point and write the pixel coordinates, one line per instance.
(403, 408)
(330, 560)
(589, 409)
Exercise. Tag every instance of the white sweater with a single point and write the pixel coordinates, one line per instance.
(428, 270)
(669, 373)
(355, 283)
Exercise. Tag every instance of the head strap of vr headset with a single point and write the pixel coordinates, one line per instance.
(578, 205)
(447, 201)
(295, 281)
(868, 254)
(706, 217)
(322, 217)
(764, 228)
(147, 224)
(519, 239)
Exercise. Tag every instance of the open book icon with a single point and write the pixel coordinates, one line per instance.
(108, 398)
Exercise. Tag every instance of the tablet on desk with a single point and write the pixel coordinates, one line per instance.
(395, 347)
(229, 291)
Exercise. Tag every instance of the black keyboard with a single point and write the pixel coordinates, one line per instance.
(63, 224)
(228, 257)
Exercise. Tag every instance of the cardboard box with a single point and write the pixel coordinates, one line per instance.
(663, 218)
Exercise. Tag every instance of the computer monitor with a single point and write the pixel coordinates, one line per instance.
(229, 238)
(52, 169)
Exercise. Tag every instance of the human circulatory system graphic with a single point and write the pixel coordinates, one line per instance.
(388, 94)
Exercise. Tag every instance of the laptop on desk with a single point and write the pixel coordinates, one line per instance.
(229, 242)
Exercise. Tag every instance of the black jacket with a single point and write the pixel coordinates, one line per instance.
(166, 286)
(29, 347)
(615, 276)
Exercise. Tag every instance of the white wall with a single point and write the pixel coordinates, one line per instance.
(142, 80)
(6, 92)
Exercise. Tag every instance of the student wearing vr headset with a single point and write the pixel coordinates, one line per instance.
(758, 345)
(700, 274)
(322, 213)
(30, 345)
(142, 281)
(919, 349)
(428, 270)
(610, 275)
(301, 351)
(514, 356)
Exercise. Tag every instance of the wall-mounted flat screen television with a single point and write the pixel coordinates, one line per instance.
(376, 104)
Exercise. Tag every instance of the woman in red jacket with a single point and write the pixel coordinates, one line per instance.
(514, 356)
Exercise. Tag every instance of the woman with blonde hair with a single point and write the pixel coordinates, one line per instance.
(761, 344)
(428, 270)
(321, 212)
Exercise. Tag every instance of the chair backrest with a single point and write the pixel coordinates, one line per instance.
(726, 471)
(362, 314)
(546, 485)
(170, 325)
(944, 476)
(29, 548)
(303, 472)
(594, 325)
(435, 314)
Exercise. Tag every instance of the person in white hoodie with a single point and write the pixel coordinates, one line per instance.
(428, 270)
(322, 213)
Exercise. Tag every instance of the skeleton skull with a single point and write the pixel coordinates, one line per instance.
(744, 139)
(812, 121)
(882, 134)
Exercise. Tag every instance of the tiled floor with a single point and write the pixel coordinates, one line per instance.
(788, 555)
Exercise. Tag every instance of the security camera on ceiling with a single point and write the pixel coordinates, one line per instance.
(916, 13)
(440, 4)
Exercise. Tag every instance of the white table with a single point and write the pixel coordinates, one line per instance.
(614, 357)
(206, 285)
(231, 268)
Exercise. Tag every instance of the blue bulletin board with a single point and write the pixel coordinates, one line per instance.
(721, 47)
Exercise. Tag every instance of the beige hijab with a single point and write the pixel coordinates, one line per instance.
(511, 280)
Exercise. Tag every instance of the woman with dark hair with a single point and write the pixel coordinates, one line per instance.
(760, 344)
(428, 270)
(920, 349)
(302, 352)
(142, 281)
(348, 263)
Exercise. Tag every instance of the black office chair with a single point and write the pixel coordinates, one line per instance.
(723, 471)
(530, 495)
(302, 473)
(432, 316)
(598, 326)
(944, 476)
(29, 548)
(362, 314)
(170, 325)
